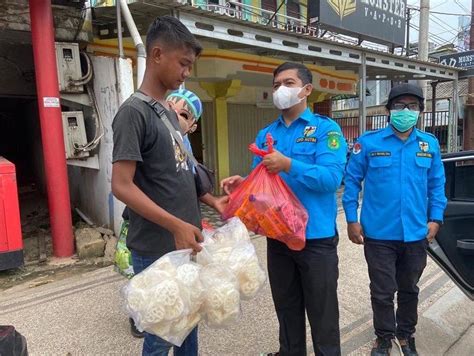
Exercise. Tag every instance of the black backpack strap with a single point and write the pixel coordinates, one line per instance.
(161, 112)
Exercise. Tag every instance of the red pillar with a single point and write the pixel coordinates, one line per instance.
(47, 87)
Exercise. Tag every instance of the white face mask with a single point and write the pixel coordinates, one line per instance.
(285, 98)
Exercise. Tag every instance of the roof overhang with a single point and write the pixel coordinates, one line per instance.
(236, 34)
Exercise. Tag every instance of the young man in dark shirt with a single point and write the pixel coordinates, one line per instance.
(151, 174)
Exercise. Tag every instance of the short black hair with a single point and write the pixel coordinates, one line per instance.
(170, 31)
(304, 73)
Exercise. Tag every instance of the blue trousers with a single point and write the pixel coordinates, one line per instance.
(154, 345)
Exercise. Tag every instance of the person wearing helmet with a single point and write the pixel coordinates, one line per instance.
(188, 108)
(402, 211)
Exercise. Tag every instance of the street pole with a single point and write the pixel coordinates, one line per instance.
(469, 119)
(362, 97)
(423, 33)
(423, 44)
(57, 186)
(119, 29)
(433, 106)
(407, 52)
(453, 118)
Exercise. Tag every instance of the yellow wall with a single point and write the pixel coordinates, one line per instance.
(224, 64)
(217, 64)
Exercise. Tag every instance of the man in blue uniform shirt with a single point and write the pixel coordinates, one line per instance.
(403, 205)
(310, 156)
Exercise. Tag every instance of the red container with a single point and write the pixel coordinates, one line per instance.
(11, 242)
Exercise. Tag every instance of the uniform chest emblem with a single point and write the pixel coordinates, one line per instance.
(309, 130)
(424, 146)
(307, 135)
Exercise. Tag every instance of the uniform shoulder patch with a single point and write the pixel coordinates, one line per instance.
(357, 148)
(334, 140)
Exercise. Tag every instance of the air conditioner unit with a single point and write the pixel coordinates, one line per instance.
(74, 134)
(68, 62)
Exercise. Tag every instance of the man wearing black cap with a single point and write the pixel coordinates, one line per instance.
(403, 207)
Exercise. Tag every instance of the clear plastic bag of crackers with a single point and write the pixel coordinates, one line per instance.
(230, 246)
(165, 299)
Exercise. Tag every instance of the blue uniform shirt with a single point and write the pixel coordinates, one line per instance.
(318, 155)
(404, 184)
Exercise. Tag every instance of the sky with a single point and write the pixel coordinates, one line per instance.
(442, 27)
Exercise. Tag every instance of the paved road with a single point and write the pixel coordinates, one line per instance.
(83, 315)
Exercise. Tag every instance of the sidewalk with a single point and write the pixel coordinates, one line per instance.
(82, 315)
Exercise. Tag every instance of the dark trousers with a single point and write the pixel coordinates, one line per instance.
(395, 266)
(306, 280)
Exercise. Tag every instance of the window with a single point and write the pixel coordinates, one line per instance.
(464, 180)
(269, 5)
(293, 9)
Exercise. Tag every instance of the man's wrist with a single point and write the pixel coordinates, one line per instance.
(439, 222)
(213, 201)
(175, 225)
(287, 164)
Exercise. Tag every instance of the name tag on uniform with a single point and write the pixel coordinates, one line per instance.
(380, 154)
(306, 139)
(424, 154)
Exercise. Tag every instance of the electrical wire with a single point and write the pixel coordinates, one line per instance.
(439, 12)
(81, 21)
(462, 6)
(432, 37)
(86, 78)
(435, 39)
(99, 124)
(448, 13)
(100, 131)
(443, 25)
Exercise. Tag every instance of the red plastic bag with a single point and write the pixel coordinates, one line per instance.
(206, 225)
(267, 206)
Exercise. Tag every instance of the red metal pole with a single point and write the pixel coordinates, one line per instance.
(42, 33)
